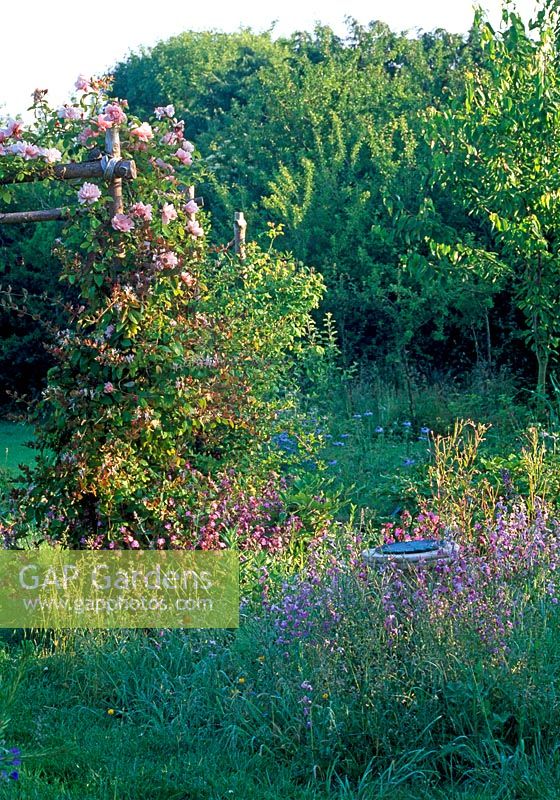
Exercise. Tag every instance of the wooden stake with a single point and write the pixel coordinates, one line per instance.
(113, 148)
(239, 233)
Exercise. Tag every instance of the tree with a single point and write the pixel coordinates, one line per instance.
(497, 148)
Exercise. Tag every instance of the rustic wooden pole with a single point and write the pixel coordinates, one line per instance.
(239, 233)
(113, 148)
(84, 170)
(44, 215)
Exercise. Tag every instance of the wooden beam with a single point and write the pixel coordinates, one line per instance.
(84, 170)
(113, 149)
(44, 215)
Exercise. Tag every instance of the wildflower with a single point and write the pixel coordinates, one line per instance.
(407, 424)
(262, 659)
(424, 431)
(325, 695)
(368, 413)
(89, 193)
(332, 463)
(357, 416)
(108, 388)
(241, 680)
(338, 444)
(110, 711)
(379, 429)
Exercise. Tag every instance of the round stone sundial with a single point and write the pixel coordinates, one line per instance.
(417, 552)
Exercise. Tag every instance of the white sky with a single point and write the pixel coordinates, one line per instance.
(46, 45)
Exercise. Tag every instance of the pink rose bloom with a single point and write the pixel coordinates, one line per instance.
(83, 84)
(122, 222)
(69, 112)
(159, 162)
(50, 154)
(17, 148)
(188, 146)
(109, 388)
(143, 132)
(3, 150)
(194, 228)
(31, 151)
(142, 211)
(13, 128)
(183, 156)
(103, 122)
(187, 278)
(168, 213)
(89, 193)
(164, 111)
(114, 112)
(87, 133)
(167, 260)
(169, 138)
(191, 207)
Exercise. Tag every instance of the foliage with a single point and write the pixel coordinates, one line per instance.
(174, 356)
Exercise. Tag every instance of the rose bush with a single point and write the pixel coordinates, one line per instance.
(175, 354)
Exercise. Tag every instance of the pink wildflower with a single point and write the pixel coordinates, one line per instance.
(109, 388)
(143, 132)
(122, 222)
(142, 211)
(168, 213)
(89, 193)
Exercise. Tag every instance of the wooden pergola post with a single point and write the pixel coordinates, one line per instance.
(239, 234)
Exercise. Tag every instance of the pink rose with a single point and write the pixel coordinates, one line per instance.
(194, 228)
(184, 157)
(103, 122)
(167, 260)
(13, 128)
(142, 211)
(83, 84)
(122, 222)
(143, 132)
(188, 146)
(87, 133)
(187, 278)
(50, 154)
(109, 388)
(169, 138)
(159, 162)
(164, 111)
(89, 193)
(31, 151)
(191, 207)
(70, 112)
(168, 213)
(114, 112)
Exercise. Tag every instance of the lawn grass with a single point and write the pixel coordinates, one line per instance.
(132, 715)
(14, 451)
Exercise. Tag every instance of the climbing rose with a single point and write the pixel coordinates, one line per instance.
(122, 222)
(168, 213)
(89, 193)
(69, 112)
(187, 278)
(104, 122)
(191, 207)
(194, 228)
(50, 154)
(142, 211)
(83, 84)
(184, 156)
(108, 388)
(167, 260)
(188, 146)
(143, 132)
(115, 113)
(164, 111)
